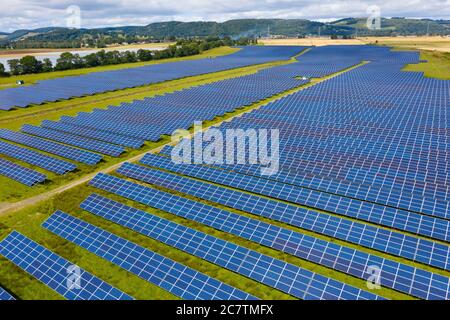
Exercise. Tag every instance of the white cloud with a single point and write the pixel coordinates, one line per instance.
(28, 14)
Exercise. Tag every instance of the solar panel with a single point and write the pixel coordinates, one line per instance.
(21, 174)
(392, 242)
(174, 277)
(57, 273)
(51, 147)
(38, 159)
(4, 295)
(74, 140)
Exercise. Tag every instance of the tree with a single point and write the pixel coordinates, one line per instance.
(47, 65)
(92, 60)
(65, 61)
(2, 70)
(30, 65)
(15, 67)
(144, 55)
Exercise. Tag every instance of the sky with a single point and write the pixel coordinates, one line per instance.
(31, 14)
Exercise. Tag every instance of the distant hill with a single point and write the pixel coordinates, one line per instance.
(235, 29)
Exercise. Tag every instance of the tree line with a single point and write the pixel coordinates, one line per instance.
(69, 61)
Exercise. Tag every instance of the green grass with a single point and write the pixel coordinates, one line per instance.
(7, 82)
(437, 65)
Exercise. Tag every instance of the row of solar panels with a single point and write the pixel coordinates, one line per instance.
(98, 82)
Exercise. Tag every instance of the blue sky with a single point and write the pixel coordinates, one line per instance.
(29, 14)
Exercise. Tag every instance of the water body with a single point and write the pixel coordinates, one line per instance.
(53, 56)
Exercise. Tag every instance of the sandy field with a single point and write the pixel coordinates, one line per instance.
(310, 42)
(425, 43)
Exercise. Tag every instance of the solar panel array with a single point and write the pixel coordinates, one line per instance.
(21, 174)
(362, 159)
(61, 150)
(35, 158)
(375, 133)
(109, 131)
(74, 140)
(97, 82)
(398, 276)
(56, 272)
(174, 277)
(4, 295)
(388, 241)
(382, 215)
(286, 277)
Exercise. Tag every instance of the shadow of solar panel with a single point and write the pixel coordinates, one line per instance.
(174, 277)
(51, 147)
(20, 174)
(74, 140)
(267, 270)
(4, 296)
(392, 242)
(56, 272)
(38, 159)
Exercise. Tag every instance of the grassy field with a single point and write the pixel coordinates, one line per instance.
(433, 43)
(8, 82)
(437, 65)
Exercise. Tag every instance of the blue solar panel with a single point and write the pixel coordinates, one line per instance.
(51, 147)
(5, 295)
(74, 140)
(409, 247)
(174, 277)
(20, 174)
(276, 273)
(56, 272)
(38, 159)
